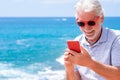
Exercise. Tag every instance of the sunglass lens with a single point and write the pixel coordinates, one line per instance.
(91, 23)
(81, 24)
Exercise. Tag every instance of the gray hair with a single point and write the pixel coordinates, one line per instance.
(89, 5)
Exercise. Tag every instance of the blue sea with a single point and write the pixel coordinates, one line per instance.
(31, 48)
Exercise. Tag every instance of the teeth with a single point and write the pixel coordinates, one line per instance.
(89, 33)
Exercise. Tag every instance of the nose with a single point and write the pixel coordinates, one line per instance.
(87, 27)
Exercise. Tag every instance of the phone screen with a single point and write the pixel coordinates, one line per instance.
(74, 45)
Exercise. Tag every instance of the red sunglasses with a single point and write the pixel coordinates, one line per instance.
(90, 23)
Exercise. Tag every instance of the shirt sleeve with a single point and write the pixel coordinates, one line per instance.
(115, 52)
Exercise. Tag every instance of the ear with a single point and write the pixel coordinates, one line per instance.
(102, 18)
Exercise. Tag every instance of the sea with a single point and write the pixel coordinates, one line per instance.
(32, 48)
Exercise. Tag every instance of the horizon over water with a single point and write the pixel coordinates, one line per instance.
(31, 48)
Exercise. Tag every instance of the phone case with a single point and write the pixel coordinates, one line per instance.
(74, 45)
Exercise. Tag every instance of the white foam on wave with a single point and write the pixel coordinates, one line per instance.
(24, 42)
(60, 60)
(21, 41)
(8, 72)
(61, 19)
(64, 19)
(52, 75)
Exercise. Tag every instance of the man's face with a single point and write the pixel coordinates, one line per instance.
(90, 25)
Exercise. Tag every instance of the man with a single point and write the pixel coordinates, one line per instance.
(99, 58)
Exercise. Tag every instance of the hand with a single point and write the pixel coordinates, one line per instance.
(67, 63)
(83, 58)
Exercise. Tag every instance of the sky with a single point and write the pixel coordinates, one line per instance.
(50, 8)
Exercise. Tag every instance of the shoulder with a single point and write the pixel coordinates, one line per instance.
(112, 33)
(114, 36)
(79, 37)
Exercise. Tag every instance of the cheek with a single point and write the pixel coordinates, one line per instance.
(82, 29)
(97, 29)
(98, 25)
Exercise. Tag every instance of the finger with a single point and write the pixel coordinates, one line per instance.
(66, 53)
(66, 57)
(73, 53)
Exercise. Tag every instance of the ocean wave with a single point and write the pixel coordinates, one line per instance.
(60, 60)
(22, 41)
(8, 72)
(52, 75)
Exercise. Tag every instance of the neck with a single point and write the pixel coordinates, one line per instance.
(91, 42)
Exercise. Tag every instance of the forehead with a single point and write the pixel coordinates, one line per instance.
(81, 15)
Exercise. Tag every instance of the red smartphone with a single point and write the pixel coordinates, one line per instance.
(74, 45)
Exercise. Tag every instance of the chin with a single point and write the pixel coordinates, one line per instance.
(92, 38)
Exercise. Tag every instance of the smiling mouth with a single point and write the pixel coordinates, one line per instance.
(89, 33)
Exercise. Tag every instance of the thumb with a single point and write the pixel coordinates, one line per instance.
(83, 51)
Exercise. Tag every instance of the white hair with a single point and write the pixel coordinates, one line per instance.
(89, 5)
